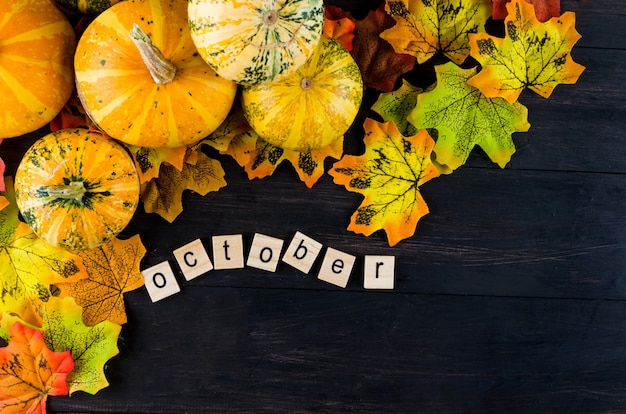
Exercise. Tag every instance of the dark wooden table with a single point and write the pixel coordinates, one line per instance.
(511, 297)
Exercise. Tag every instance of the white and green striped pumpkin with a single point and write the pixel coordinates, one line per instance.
(255, 41)
(76, 189)
(310, 108)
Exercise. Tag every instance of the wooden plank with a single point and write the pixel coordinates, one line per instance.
(271, 350)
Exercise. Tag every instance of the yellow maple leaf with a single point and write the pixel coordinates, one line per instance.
(388, 175)
(424, 28)
(148, 160)
(28, 266)
(532, 55)
(163, 195)
(113, 270)
(234, 125)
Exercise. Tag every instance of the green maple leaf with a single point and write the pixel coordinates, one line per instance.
(389, 175)
(533, 55)
(91, 346)
(426, 27)
(397, 105)
(464, 118)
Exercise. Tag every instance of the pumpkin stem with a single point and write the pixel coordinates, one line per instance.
(74, 190)
(270, 17)
(161, 69)
(306, 83)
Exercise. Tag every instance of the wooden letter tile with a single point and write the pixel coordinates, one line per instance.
(193, 259)
(302, 252)
(265, 252)
(160, 281)
(379, 272)
(228, 251)
(336, 267)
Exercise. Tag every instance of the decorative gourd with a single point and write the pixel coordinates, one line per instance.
(255, 41)
(141, 79)
(37, 45)
(76, 189)
(310, 108)
(87, 6)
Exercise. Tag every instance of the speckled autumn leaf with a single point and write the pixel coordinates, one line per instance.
(260, 158)
(397, 105)
(113, 270)
(424, 28)
(148, 160)
(9, 213)
(163, 195)
(380, 65)
(28, 266)
(544, 9)
(532, 55)
(30, 372)
(388, 175)
(465, 118)
(90, 346)
(339, 25)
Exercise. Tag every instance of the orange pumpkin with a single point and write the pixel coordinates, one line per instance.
(37, 46)
(141, 80)
(76, 189)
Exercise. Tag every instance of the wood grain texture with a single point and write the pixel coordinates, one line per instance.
(511, 297)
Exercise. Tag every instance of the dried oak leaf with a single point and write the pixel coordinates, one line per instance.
(28, 266)
(544, 9)
(163, 195)
(532, 55)
(389, 175)
(424, 28)
(113, 270)
(30, 372)
(380, 65)
(464, 118)
(397, 105)
(90, 346)
(339, 25)
(260, 158)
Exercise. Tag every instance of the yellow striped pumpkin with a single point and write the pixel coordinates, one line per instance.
(76, 189)
(310, 108)
(255, 41)
(37, 45)
(151, 89)
(87, 6)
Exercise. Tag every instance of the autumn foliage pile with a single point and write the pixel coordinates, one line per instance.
(62, 311)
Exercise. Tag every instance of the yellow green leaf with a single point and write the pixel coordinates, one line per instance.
(388, 175)
(28, 266)
(9, 213)
(532, 55)
(113, 270)
(90, 346)
(397, 105)
(426, 27)
(464, 118)
(163, 195)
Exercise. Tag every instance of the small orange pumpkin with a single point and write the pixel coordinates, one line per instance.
(76, 189)
(141, 80)
(37, 46)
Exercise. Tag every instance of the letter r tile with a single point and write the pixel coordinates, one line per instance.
(193, 259)
(379, 272)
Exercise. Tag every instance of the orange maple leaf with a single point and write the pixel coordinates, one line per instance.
(389, 175)
(30, 372)
(339, 25)
(113, 269)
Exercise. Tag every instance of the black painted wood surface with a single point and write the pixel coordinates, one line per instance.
(511, 297)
